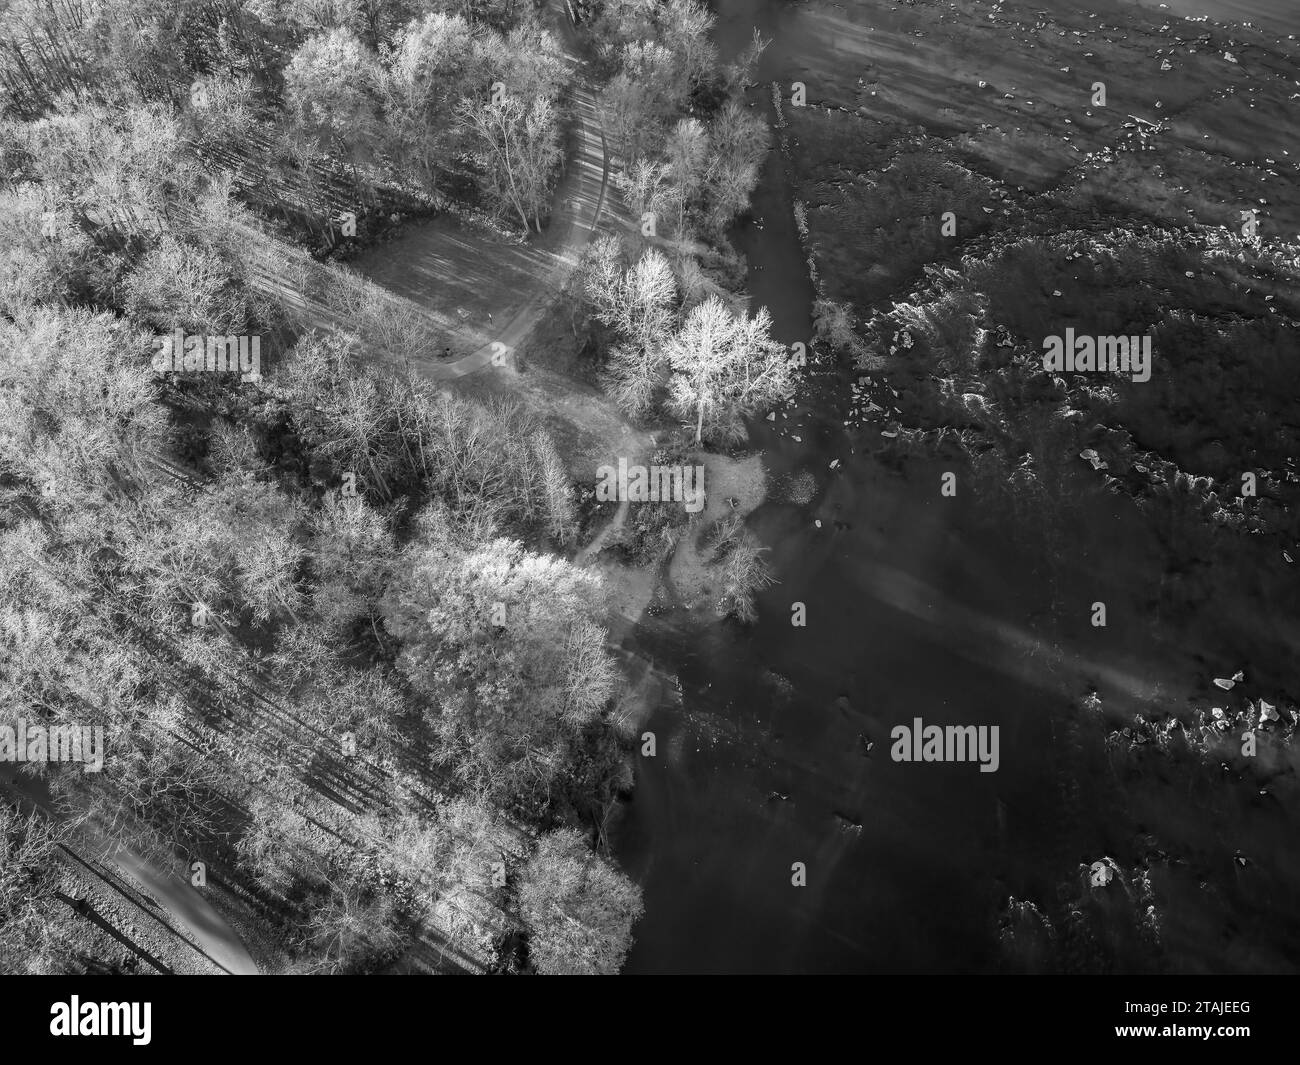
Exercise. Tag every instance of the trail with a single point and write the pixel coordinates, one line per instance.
(581, 199)
(212, 935)
(448, 272)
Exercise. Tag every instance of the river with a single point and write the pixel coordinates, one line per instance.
(706, 834)
(917, 606)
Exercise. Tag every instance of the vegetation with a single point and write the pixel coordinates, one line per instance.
(319, 615)
(586, 907)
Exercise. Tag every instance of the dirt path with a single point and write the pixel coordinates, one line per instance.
(486, 292)
(190, 909)
(210, 932)
(580, 199)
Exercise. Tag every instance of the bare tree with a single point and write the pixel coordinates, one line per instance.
(431, 71)
(725, 366)
(517, 147)
(332, 88)
(557, 491)
(649, 193)
(639, 304)
(686, 150)
(744, 571)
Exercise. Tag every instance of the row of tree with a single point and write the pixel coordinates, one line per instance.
(445, 93)
(314, 106)
(688, 151)
(689, 147)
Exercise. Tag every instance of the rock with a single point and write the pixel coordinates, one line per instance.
(1239, 676)
(1267, 711)
(818, 522)
(1226, 685)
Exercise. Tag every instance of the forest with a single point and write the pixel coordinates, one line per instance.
(325, 610)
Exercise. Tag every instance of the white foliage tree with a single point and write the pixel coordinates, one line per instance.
(725, 366)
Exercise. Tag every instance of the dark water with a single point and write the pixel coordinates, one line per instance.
(917, 606)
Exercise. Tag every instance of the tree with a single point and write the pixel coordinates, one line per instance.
(376, 22)
(744, 572)
(452, 856)
(639, 303)
(234, 547)
(579, 909)
(528, 61)
(638, 102)
(517, 149)
(685, 150)
(47, 257)
(557, 491)
(332, 89)
(685, 28)
(648, 192)
(120, 172)
(339, 411)
(79, 404)
(739, 75)
(345, 923)
(175, 285)
(725, 366)
(33, 935)
(432, 70)
(618, 22)
(738, 140)
(504, 644)
(351, 927)
(352, 551)
(226, 110)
